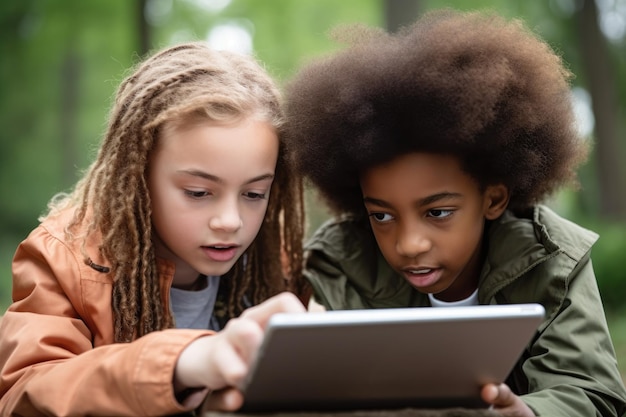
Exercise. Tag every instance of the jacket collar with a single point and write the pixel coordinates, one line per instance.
(517, 245)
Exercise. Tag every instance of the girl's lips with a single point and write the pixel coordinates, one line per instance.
(421, 278)
(220, 253)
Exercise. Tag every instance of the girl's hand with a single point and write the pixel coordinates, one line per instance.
(220, 363)
(504, 401)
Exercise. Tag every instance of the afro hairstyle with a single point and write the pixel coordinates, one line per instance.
(468, 84)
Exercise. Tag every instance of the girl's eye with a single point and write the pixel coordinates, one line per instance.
(440, 213)
(254, 196)
(381, 217)
(196, 194)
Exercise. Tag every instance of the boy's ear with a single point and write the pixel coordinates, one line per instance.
(496, 200)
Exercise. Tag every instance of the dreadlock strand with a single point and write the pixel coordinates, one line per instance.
(157, 320)
(124, 319)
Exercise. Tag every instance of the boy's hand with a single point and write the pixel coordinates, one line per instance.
(504, 401)
(222, 361)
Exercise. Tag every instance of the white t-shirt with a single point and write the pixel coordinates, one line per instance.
(472, 300)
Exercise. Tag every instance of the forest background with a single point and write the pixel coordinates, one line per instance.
(61, 61)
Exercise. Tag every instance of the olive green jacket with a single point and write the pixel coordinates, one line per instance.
(568, 369)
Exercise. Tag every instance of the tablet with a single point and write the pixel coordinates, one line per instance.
(387, 358)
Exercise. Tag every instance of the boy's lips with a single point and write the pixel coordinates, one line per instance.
(421, 277)
(418, 270)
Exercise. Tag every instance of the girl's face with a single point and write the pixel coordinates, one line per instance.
(209, 186)
(428, 218)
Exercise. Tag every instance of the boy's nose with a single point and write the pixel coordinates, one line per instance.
(411, 243)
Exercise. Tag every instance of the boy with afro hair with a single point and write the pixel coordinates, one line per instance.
(435, 148)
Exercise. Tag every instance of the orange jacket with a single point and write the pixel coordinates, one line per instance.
(57, 352)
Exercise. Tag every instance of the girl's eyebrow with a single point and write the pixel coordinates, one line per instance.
(423, 202)
(211, 177)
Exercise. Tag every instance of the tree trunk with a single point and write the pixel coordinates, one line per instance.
(400, 13)
(145, 41)
(602, 86)
(70, 75)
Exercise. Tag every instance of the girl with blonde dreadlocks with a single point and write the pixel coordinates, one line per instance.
(170, 233)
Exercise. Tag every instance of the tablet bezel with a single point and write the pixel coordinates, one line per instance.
(365, 359)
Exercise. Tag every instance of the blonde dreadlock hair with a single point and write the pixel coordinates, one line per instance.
(183, 83)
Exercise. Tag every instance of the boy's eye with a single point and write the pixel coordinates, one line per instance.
(196, 194)
(254, 196)
(440, 213)
(381, 217)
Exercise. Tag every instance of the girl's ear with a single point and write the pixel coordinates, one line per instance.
(496, 200)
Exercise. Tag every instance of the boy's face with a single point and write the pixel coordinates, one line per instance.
(209, 185)
(428, 218)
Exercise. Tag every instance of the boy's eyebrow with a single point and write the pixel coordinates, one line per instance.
(439, 196)
(375, 201)
(423, 202)
(214, 178)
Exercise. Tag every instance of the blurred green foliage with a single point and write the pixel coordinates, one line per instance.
(61, 62)
(609, 260)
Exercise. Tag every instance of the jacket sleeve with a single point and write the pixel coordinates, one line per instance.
(48, 362)
(346, 270)
(331, 288)
(325, 266)
(571, 369)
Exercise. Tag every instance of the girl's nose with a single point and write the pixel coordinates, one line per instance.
(227, 218)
